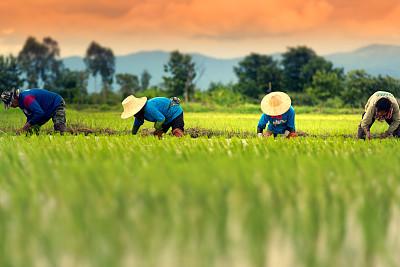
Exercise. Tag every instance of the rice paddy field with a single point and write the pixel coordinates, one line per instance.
(101, 197)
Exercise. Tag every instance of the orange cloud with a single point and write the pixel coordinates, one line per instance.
(148, 23)
(226, 18)
(195, 17)
(362, 10)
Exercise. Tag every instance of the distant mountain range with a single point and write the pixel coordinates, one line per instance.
(375, 59)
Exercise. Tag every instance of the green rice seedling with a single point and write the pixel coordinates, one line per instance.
(225, 198)
(139, 201)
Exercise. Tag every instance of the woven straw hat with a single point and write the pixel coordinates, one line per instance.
(275, 103)
(132, 105)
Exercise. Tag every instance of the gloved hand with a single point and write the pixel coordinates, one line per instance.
(177, 132)
(268, 133)
(292, 135)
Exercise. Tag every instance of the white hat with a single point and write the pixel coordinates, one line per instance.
(132, 105)
(275, 103)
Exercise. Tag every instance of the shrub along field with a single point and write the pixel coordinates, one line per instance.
(112, 199)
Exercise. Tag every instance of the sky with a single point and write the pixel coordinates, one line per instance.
(219, 28)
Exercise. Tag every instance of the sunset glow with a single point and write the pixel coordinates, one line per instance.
(222, 28)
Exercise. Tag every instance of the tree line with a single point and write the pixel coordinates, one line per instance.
(309, 78)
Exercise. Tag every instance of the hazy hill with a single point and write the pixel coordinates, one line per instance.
(212, 69)
(375, 59)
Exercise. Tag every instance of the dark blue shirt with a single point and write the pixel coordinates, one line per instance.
(278, 124)
(38, 105)
(159, 109)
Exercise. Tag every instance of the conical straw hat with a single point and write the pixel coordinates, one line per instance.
(132, 105)
(275, 103)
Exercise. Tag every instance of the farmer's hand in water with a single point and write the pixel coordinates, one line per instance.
(158, 133)
(367, 134)
(385, 135)
(267, 134)
(19, 131)
(26, 127)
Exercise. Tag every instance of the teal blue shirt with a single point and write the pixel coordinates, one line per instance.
(159, 109)
(278, 124)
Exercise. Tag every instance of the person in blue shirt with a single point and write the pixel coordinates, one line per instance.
(39, 106)
(164, 112)
(279, 115)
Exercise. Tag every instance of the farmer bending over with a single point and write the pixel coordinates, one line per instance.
(278, 114)
(164, 112)
(381, 106)
(39, 106)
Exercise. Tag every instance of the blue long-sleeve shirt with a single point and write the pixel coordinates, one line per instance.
(278, 124)
(159, 109)
(38, 105)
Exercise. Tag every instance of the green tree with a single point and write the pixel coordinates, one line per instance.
(40, 62)
(181, 71)
(326, 85)
(293, 62)
(129, 84)
(222, 94)
(318, 64)
(359, 85)
(101, 60)
(72, 86)
(53, 64)
(387, 83)
(255, 72)
(152, 92)
(145, 78)
(10, 73)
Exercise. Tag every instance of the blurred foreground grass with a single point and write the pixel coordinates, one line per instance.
(139, 201)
